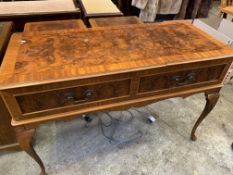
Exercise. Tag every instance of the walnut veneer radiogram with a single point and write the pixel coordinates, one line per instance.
(59, 75)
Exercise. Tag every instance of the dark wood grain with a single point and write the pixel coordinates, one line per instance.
(182, 78)
(73, 96)
(114, 46)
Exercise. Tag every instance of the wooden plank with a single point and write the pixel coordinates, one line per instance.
(114, 21)
(54, 26)
(39, 7)
(99, 8)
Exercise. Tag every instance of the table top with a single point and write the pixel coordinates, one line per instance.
(54, 57)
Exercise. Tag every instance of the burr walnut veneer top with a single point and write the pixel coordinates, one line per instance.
(74, 54)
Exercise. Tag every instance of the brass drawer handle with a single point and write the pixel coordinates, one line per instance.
(87, 96)
(184, 80)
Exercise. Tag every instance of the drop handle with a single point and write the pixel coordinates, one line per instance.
(87, 96)
(184, 80)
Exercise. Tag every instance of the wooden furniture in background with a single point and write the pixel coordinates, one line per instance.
(114, 21)
(226, 8)
(50, 26)
(7, 133)
(227, 11)
(225, 3)
(21, 12)
(55, 76)
(98, 8)
(5, 33)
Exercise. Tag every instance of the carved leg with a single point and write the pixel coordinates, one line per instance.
(24, 137)
(211, 100)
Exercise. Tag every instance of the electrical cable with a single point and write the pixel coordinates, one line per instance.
(115, 123)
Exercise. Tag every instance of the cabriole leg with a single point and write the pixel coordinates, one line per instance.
(24, 137)
(211, 100)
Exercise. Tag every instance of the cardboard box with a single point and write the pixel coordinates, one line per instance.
(223, 33)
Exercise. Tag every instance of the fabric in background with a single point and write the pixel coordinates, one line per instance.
(169, 6)
(185, 9)
(149, 9)
(191, 9)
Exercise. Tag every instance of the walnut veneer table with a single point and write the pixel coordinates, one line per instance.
(56, 76)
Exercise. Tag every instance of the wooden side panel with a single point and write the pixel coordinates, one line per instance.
(7, 133)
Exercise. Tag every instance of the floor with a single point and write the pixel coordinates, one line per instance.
(164, 148)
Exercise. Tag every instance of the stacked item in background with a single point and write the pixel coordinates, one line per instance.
(21, 12)
(177, 9)
(222, 31)
(98, 8)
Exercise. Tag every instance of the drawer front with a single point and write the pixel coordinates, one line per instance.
(80, 95)
(165, 81)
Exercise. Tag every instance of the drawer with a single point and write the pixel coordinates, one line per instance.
(73, 96)
(171, 80)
